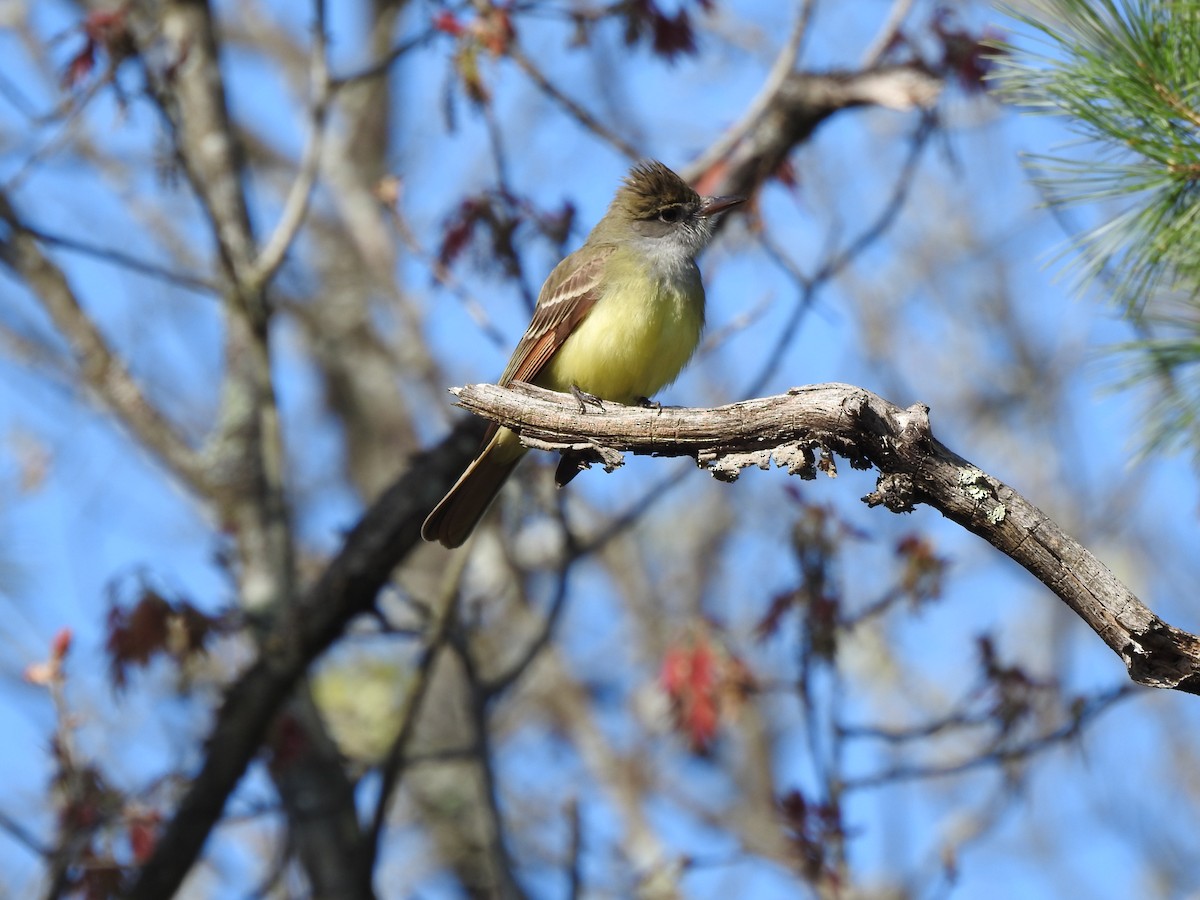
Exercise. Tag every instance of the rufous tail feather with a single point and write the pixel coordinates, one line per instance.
(453, 520)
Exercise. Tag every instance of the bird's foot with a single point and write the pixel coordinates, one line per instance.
(584, 399)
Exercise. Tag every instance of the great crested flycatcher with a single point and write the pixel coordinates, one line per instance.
(616, 320)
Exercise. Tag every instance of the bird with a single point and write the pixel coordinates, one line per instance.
(617, 320)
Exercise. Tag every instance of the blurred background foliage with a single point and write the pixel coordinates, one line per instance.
(651, 683)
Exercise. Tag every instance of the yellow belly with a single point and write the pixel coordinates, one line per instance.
(633, 343)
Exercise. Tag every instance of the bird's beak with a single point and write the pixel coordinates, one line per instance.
(710, 206)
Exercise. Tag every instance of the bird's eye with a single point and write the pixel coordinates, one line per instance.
(671, 215)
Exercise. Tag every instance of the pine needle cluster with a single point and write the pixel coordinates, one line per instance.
(1125, 77)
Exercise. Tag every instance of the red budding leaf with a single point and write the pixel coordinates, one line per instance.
(459, 230)
(103, 30)
(447, 23)
(688, 677)
(80, 66)
(965, 55)
(45, 672)
(143, 834)
(705, 683)
(61, 645)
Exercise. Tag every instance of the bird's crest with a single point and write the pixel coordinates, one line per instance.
(650, 186)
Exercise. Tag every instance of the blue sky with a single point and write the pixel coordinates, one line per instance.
(106, 513)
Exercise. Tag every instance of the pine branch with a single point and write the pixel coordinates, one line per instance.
(1125, 76)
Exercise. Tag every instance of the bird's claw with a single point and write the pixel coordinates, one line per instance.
(584, 399)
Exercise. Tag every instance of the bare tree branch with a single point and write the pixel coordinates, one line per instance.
(102, 368)
(781, 68)
(571, 107)
(125, 260)
(837, 261)
(501, 682)
(192, 97)
(348, 587)
(1008, 754)
(245, 454)
(316, 793)
(914, 468)
(802, 102)
(295, 206)
(384, 64)
(891, 28)
(397, 760)
(500, 877)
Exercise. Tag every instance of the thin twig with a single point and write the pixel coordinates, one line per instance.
(197, 283)
(381, 66)
(395, 763)
(295, 207)
(581, 115)
(500, 860)
(887, 34)
(999, 756)
(15, 829)
(634, 513)
(574, 850)
(838, 261)
(508, 253)
(785, 62)
(102, 368)
(494, 687)
(10, 92)
(72, 109)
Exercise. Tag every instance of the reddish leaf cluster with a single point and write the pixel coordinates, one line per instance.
(670, 35)
(498, 215)
(814, 831)
(821, 619)
(97, 877)
(1012, 692)
(490, 210)
(106, 31)
(448, 23)
(491, 30)
(90, 817)
(965, 55)
(817, 537)
(704, 682)
(142, 827)
(956, 52)
(86, 800)
(91, 814)
(153, 626)
(921, 576)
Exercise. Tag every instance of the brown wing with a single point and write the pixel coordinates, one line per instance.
(568, 295)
